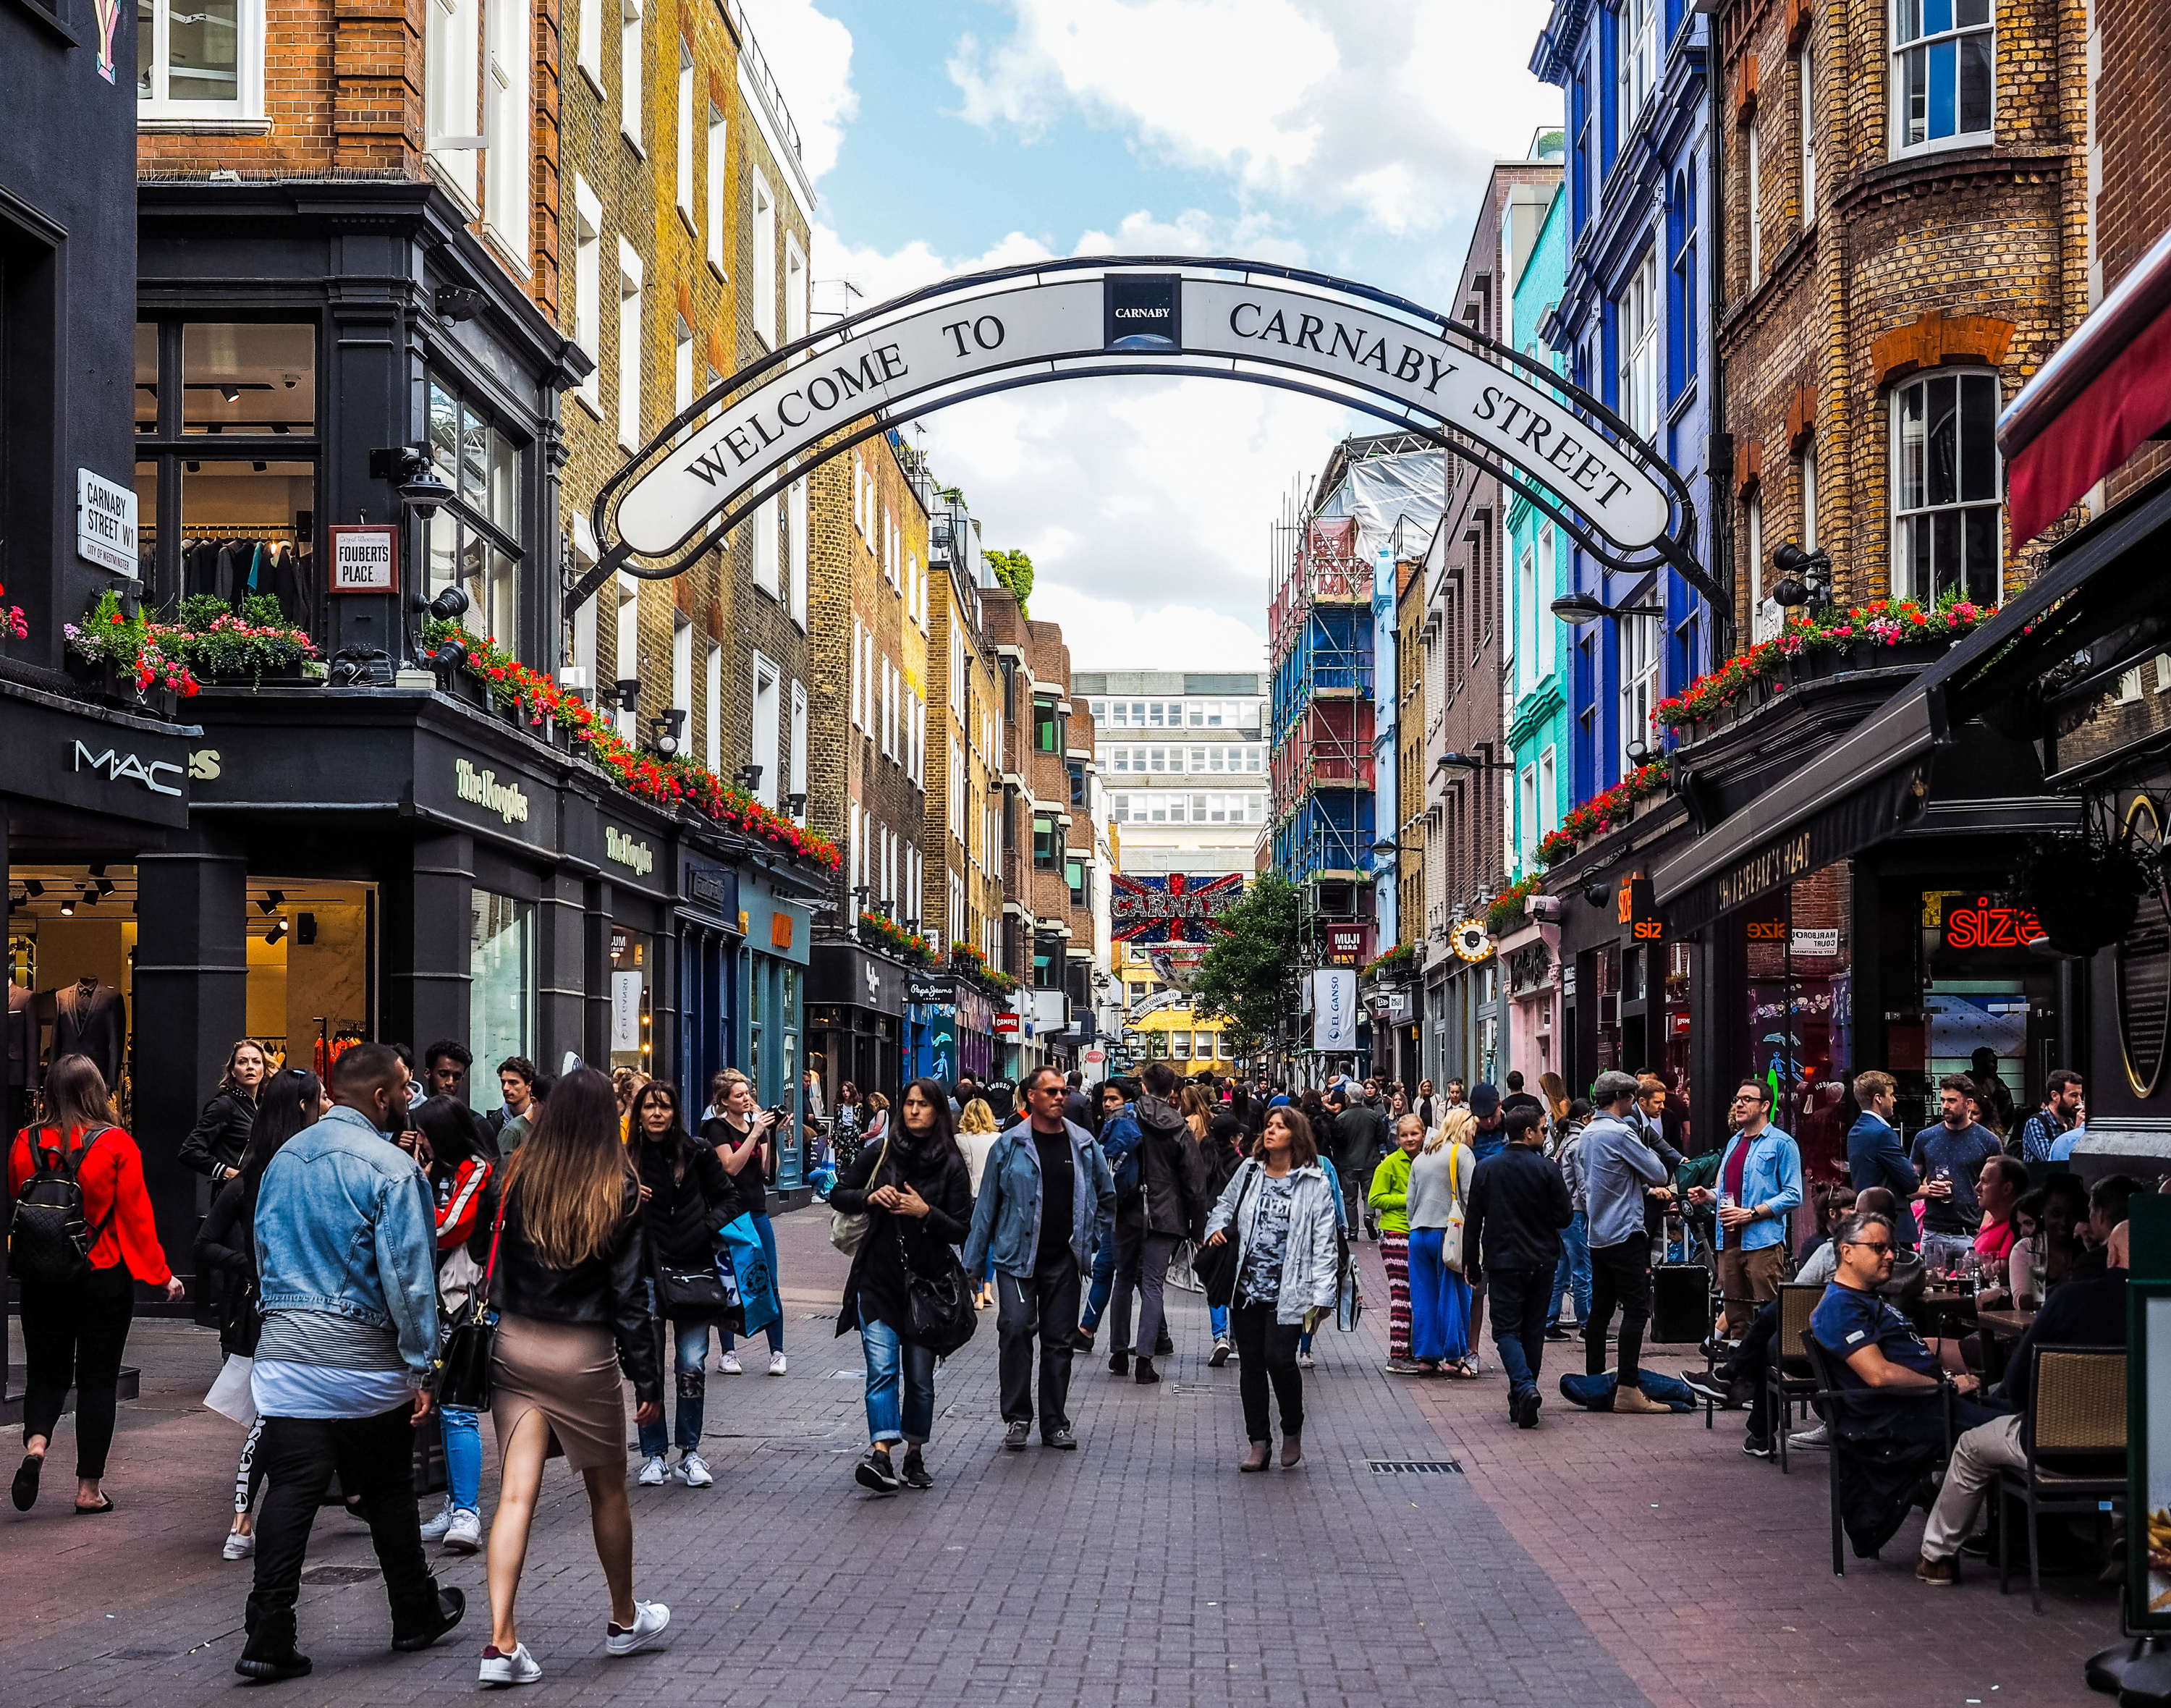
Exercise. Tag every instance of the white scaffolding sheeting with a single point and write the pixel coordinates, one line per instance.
(1397, 499)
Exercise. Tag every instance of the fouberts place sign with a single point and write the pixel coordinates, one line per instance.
(481, 788)
(1229, 319)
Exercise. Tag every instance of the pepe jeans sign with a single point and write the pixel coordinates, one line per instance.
(481, 788)
(634, 856)
(117, 765)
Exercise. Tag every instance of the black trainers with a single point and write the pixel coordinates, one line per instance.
(1062, 1440)
(452, 1608)
(1015, 1436)
(1758, 1447)
(1707, 1387)
(1163, 1347)
(874, 1473)
(914, 1475)
(270, 1669)
(1145, 1373)
(1119, 1363)
(1556, 1331)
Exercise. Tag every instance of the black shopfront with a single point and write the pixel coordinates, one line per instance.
(855, 1018)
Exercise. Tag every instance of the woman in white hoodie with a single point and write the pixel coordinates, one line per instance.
(1280, 1211)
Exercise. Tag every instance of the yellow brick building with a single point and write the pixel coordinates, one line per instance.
(1167, 1030)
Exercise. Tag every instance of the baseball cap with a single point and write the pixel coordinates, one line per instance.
(1484, 1100)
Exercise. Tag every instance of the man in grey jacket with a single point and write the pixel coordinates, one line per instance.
(1616, 1166)
(1043, 1190)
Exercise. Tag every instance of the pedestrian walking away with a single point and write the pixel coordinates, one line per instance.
(559, 1239)
(741, 1134)
(916, 1194)
(1617, 1166)
(82, 1237)
(1511, 1241)
(1572, 1276)
(1359, 1141)
(1046, 1185)
(1387, 1199)
(1172, 1185)
(976, 1137)
(460, 1156)
(686, 1197)
(214, 1145)
(1280, 1213)
(226, 1246)
(1118, 1235)
(1439, 1211)
(342, 1369)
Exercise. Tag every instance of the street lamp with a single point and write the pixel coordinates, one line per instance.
(1454, 761)
(1806, 576)
(1579, 609)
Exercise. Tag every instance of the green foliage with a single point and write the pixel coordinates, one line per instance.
(1244, 977)
(1014, 570)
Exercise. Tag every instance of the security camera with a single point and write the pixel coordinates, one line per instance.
(1545, 909)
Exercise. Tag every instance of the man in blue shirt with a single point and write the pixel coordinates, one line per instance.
(1874, 1154)
(1948, 1157)
(1760, 1186)
(1879, 1352)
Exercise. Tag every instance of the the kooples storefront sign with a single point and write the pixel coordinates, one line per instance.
(627, 850)
(483, 788)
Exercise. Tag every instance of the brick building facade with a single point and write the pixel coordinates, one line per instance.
(1906, 242)
(964, 901)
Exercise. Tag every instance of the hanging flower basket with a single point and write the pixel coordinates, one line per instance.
(2084, 891)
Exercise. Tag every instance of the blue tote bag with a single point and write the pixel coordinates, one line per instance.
(740, 1248)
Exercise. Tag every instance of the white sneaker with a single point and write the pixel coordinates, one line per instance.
(692, 1472)
(650, 1618)
(776, 1363)
(1303, 1361)
(434, 1528)
(518, 1667)
(239, 1546)
(463, 1535)
(654, 1475)
(1808, 1440)
(730, 1364)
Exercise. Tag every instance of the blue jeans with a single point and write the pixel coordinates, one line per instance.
(463, 1458)
(776, 1329)
(692, 1341)
(1218, 1316)
(900, 1385)
(1572, 1275)
(1518, 1324)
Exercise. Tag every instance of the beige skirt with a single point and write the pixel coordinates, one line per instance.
(569, 1373)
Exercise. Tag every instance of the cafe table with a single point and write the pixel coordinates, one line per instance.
(2001, 1330)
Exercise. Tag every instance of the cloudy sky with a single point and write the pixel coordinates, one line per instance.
(948, 135)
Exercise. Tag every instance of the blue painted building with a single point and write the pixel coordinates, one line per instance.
(1634, 326)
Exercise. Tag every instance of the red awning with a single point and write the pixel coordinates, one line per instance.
(2107, 388)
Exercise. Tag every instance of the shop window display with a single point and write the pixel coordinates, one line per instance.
(632, 960)
(1982, 988)
(501, 1001)
(1795, 952)
(475, 540)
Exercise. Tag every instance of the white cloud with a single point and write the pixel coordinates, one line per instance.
(1384, 109)
(810, 57)
(1110, 635)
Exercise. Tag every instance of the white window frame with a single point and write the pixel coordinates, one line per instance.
(762, 231)
(1754, 154)
(797, 523)
(768, 558)
(1805, 476)
(684, 163)
(682, 672)
(1637, 45)
(712, 710)
(630, 295)
(1768, 617)
(588, 45)
(508, 124)
(156, 109)
(766, 706)
(588, 291)
(1805, 84)
(1906, 515)
(796, 288)
(1896, 78)
(631, 58)
(1548, 791)
(682, 365)
(797, 774)
(716, 164)
(1636, 334)
(628, 649)
(453, 94)
(1640, 641)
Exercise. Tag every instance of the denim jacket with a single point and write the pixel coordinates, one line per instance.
(1771, 1177)
(346, 1223)
(1006, 1217)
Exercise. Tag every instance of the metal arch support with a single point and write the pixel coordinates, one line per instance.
(1573, 460)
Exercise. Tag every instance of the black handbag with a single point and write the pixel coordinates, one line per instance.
(1216, 1265)
(464, 1369)
(940, 1312)
(693, 1295)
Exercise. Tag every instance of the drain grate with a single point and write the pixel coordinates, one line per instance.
(338, 1574)
(1415, 1467)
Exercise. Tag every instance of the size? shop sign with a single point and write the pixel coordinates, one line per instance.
(365, 558)
(106, 523)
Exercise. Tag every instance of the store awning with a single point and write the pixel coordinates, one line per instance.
(2103, 392)
(1873, 783)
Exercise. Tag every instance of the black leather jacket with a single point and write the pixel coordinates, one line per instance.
(215, 1143)
(226, 1246)
(613, 1289)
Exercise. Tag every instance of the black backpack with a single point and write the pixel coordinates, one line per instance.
(49, 1241)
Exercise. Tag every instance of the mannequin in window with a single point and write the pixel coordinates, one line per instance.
(91, 1019)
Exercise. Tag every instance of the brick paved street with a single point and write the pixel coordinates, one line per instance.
(1599, 1561)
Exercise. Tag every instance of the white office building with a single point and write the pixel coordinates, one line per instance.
(1183, 759)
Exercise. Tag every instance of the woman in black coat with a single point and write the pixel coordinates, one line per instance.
(918, 1197)
(686, 1197)
(214, 1145)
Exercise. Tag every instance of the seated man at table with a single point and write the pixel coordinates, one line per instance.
(2107, 1201)
(1881, 1356)
(2089, 1312)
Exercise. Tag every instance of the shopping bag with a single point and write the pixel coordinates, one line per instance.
(757, 1284)
(230, 1395)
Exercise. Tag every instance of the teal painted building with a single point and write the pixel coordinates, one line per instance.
(1535, 684)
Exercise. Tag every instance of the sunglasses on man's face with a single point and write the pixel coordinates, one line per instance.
(1882, 1246)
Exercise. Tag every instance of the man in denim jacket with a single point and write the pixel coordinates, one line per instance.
(1760, 1186)
(346, 1257)
(1045, 1187)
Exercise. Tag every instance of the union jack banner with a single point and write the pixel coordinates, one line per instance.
(1171, 910)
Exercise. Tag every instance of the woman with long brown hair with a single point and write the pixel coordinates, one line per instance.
(569, 1280)
(75, 1325)
(1197, 1111)
(1285, 1219)
(214, 1145)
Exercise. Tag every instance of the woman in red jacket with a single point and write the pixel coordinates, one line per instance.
(74, 1331)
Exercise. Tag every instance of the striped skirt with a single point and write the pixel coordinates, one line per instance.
(1395, 1252)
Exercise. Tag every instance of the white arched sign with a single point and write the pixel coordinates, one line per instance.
(766, 425)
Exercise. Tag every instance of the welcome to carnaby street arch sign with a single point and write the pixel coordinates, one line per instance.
(767, 424)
